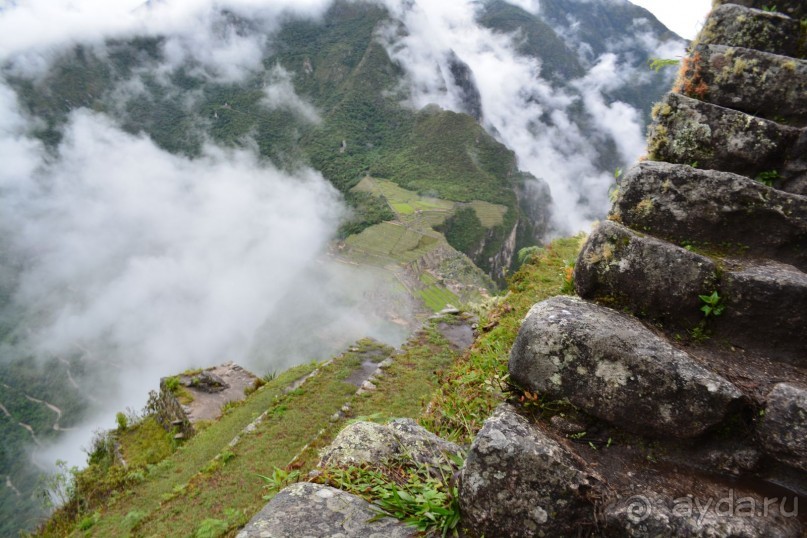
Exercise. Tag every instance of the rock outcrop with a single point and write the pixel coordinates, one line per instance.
(372, 443)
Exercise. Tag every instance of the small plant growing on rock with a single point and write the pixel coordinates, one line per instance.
(568, 278)
(767, 178)
(421, 496)
(657, 64)
(712, 304)
(279, 479)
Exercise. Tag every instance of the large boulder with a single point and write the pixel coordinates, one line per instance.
(372, 443)
(689, 131)
(783, 430)
(613, 367)
(740, 26)
(766, 85)
(313, 510)
(650, 277)
(518, 481)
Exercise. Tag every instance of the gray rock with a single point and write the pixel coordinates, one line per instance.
(792, 8)
(740, 26)
(766, 309)
(205, 381)
(307, 510)
(612, 367)
(517, 481)
(566, 426)
(783, 431)
(368, 442)
(682, 203)
(650, 277)
(759, 83)
(688, 131)
(794, 174)
(656, 515)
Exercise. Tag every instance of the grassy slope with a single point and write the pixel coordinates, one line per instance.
(451, 393)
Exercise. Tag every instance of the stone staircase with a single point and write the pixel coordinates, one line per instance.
(647, 416)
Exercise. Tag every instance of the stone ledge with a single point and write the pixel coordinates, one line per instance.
(724, 210)
(740, 26)
(766, 85)
(689, 131)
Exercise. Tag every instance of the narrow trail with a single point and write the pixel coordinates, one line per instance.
(53, 408)
(10, 485)
(23, 424)
(69, 375)
(31, 431)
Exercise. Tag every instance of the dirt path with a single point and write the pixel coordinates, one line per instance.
(10, 485)
(69, 375)
(31, 431)
(53, 408)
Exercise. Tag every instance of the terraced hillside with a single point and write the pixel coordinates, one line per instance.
(212, 484)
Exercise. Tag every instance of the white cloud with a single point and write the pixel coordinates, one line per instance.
(526, 112)
(148, 263)
(280, 93)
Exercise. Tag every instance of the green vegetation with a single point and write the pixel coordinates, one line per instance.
(657, 64)
(421, 496)
(768, 178)
(279, 479)
(712, 305)
(474, 385)
(464, 231)
(212, 483)
(435, 296)
(26, 391)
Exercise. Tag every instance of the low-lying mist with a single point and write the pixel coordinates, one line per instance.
(537, 119)
(144, 263)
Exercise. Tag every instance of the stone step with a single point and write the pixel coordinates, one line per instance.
(723, 210)
(648, 276)
(764, 302)
(765, 85)
(703, 135)
(740, 26)
(612, 367)
(783, 430)
(521, 478)
(766, 309)
(796, 9)
(519, 481)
